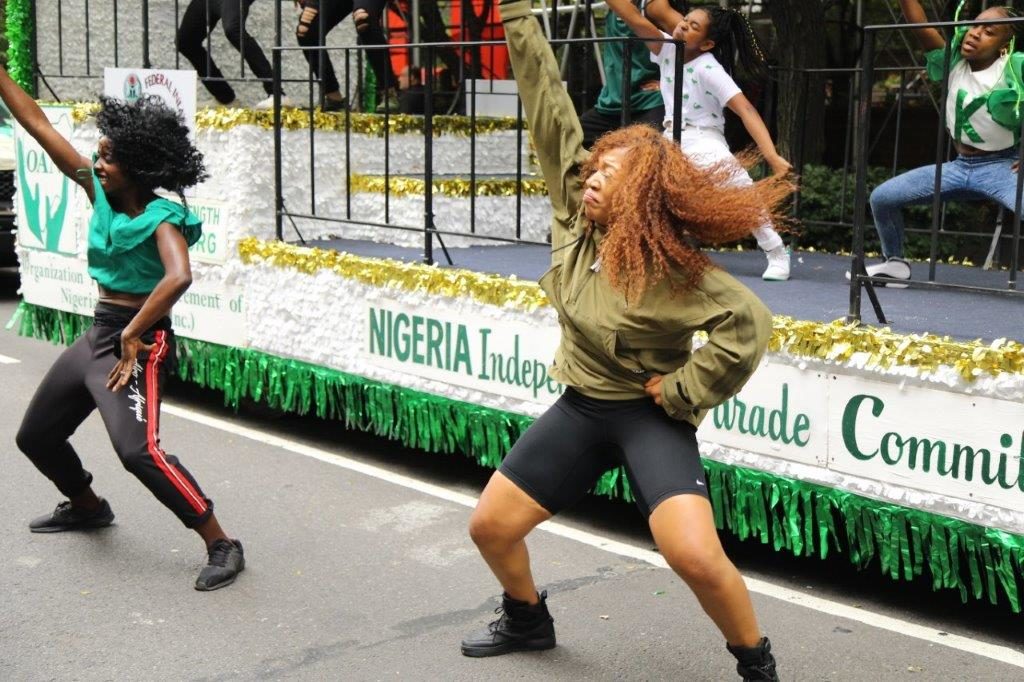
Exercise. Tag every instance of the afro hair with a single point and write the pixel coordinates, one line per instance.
(151, 143)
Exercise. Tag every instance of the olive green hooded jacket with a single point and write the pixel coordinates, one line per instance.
(610, 349)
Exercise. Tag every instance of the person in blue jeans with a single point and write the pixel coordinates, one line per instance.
(982, 116)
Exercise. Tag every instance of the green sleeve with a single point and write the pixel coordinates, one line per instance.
(936, 59)
(738, 327)
(550, 116)
(132, 233)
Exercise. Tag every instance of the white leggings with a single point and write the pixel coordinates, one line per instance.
(706, 148)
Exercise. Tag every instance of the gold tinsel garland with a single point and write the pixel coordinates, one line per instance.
(835, 341)
(225, 118)
(401, 186)
(490, 289)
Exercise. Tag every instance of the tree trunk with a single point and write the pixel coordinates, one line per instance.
(800, 110)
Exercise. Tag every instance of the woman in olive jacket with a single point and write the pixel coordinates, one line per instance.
(630, 289)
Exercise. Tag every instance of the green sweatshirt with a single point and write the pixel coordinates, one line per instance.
(610, 349)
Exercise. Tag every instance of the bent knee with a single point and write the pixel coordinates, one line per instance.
(362, 20)
(486, 530)
(698, 566)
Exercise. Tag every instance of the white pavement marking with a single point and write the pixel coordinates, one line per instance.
(877, 620)
(5, 360)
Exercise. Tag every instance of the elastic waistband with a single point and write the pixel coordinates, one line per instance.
(118, 316)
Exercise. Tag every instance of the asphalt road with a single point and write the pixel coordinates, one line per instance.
(360, 568)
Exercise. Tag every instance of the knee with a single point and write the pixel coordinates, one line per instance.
(28, 439)
(698, 566)
(881, 198)
(187, 41)
(133, 459)
(233, 32)
(487, 531)
(365, 22)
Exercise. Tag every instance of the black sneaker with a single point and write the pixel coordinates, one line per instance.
(520, 627)
(227, 560)
(755, 663)
(330, 104)
(67, 517)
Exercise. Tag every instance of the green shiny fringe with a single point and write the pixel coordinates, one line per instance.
(18, 30)
(802, 518)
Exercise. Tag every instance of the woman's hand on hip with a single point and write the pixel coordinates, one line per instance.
(125, 367)
(653, 388)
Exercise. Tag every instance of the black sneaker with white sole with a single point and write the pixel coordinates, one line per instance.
(226, 561)
(68, 517)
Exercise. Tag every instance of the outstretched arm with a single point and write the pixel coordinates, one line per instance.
(33, 120)
(929, 38)
(638, 23)
(550, 115)
(755, 126)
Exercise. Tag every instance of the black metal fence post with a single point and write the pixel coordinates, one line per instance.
(860, 193)
(278, 177)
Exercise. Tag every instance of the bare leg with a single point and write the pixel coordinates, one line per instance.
(502, 519)
(210, 531)
(86, 500)
(684, 530)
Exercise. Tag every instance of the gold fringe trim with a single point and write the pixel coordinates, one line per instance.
(225, 118)
(458, 188)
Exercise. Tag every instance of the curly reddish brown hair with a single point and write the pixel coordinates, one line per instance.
(664, 207)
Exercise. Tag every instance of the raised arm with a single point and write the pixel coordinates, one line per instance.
(638, 23)
(663, 15)
(34, 121)
(550, 115)
(929, 38)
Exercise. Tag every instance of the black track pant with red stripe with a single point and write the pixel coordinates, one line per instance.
(77, 384)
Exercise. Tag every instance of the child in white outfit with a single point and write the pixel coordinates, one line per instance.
(707, 90)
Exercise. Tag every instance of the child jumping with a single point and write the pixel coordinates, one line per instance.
(711, 36)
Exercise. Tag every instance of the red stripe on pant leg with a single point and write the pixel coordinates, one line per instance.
(181, 483)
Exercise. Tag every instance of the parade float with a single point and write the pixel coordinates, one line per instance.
(897, 452)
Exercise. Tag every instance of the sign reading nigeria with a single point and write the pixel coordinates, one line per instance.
(494, 356)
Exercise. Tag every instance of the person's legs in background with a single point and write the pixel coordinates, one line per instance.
(196, 23)
(368, 16)
(887, 201)
(315, 23)
(233, 17)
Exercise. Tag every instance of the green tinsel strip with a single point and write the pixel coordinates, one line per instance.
(18, 29)
(802, 518)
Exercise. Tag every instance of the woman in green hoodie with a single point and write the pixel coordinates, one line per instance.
(631, 290)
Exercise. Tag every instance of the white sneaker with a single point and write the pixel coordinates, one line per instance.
(778, 265)
(892, 268)
(268, 102)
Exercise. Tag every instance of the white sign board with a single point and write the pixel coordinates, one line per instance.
(500, 357)
(177, 88)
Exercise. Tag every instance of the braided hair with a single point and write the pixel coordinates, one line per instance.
(734, 37)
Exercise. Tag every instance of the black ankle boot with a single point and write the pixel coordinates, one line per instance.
(755, 663)
(520, 627)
